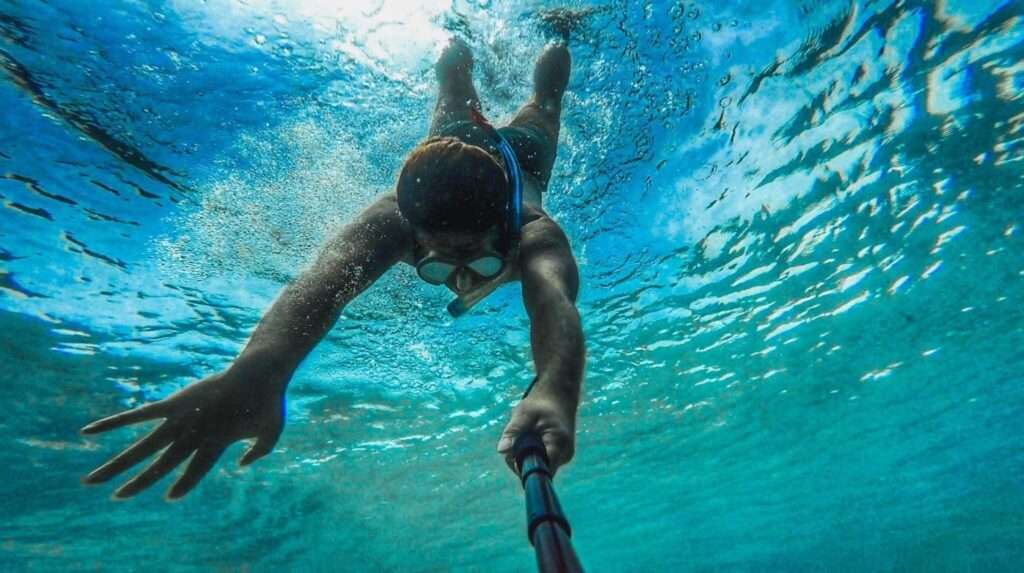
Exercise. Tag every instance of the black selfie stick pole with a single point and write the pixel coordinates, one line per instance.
(546, 526)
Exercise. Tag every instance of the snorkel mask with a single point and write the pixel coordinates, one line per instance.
(437, 270)
(492, 266)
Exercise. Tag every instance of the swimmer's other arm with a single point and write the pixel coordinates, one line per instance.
(550, 285)
(247, 399)
(309, 306)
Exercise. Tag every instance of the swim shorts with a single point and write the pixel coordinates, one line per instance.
(533, 148)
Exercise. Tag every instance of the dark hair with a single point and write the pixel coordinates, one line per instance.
(448, 185)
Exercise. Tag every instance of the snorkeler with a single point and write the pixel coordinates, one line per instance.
(466, 213)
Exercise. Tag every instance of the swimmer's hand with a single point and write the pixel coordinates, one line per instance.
(247, 400)
(551, 417)
(204, 418)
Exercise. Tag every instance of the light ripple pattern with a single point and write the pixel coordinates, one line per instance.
(799, 234)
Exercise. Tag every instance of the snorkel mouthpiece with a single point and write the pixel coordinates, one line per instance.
(457, 308)
(467, 300)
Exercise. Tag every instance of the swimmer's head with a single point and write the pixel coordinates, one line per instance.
(450, 187)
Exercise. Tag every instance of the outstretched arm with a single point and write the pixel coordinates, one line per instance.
(550, 283)
(247, 399)
(309, 306)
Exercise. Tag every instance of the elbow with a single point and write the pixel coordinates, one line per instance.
(556, 312)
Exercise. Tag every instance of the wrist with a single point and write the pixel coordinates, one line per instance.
(564, 391)
(263, 368)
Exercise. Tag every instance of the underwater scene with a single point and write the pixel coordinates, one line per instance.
(799, 232)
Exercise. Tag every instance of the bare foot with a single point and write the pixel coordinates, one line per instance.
(551, 73)
(456, 59)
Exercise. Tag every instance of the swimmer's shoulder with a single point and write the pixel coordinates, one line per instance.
(534, 215)
(540, 231)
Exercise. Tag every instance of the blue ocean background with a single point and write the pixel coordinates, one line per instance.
(799, 227)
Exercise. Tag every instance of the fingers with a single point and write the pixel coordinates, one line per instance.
(558, 450)
(555, 449)
(141, 414)
(263, 446)
(558, 445)
(508, 438)
(145, 447)
(202, 462)
(510, 461)
(174, 455)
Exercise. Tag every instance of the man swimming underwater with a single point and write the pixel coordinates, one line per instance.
(466, 213)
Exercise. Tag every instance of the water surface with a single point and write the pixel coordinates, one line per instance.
(799, 233)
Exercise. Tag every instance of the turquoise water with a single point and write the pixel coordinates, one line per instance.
(799, 228)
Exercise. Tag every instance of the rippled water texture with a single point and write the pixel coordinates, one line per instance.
(799, 227)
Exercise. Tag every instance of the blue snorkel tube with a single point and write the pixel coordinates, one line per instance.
(514, 232)
(513, 222)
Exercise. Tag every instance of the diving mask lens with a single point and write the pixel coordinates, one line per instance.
(487, 266)
(435, 272)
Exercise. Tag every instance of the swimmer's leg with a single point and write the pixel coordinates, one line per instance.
(543, 113)
(456, 94)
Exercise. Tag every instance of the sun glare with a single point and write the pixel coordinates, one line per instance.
(386, 36)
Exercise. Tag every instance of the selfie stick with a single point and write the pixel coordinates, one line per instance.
(546, 526)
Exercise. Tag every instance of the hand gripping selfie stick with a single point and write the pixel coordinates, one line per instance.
(546, 526)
